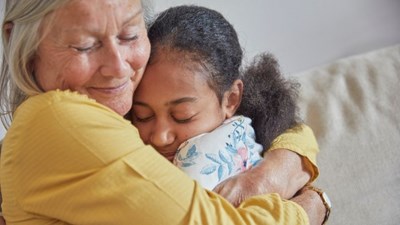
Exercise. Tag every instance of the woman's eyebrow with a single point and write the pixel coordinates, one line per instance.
(133, 17)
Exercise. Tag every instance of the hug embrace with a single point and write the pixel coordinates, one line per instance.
(102, 99)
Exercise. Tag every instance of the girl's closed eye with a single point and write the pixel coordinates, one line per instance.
(142, 119)
(185, 117)
(142, 114)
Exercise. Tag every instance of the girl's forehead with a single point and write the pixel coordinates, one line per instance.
(173, 69)
(193, 62)
(166, 81)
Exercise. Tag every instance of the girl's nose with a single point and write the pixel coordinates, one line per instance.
(162, 135)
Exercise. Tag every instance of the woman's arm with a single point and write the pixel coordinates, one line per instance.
(83, 164)
(290, 163)
(282, 171)
(302, 141)
(271, 102)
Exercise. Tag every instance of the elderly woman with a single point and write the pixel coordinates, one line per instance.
(68, 76)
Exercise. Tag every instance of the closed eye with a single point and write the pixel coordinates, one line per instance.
(143, 119)
(186, 120)
(129, 38)
(83, 49)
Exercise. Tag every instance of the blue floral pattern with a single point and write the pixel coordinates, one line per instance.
(226, 151)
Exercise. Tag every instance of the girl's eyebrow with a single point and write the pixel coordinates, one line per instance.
(140, 103)
(182, 100)
(173, 102)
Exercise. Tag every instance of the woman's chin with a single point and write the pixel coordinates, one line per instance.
(118, 105)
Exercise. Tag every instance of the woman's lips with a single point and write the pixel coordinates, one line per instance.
(111, 90)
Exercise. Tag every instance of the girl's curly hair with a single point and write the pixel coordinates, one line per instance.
(268, 99)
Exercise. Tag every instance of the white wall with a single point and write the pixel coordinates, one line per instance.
(305, 34)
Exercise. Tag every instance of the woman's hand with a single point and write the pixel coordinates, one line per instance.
(2, 221)
(238, 188)
(282, 171)
(312, 204)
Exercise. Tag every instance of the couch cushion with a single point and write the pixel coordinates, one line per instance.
(353, 106)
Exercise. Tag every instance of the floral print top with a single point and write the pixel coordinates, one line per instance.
(210, 158)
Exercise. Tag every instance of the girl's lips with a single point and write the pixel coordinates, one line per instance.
(168, 155)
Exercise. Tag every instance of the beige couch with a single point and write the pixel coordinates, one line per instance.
(353, 106)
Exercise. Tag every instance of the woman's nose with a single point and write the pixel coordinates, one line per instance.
(162, 135)
(114, 59)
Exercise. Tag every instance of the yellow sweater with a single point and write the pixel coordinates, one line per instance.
(69, 160)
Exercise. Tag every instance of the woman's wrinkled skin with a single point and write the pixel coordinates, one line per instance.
(99, 50)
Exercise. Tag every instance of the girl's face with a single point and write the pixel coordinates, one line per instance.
(174, 103)
(97, 48)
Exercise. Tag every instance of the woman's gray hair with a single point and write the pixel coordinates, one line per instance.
(148, 12)
(16, 76)
(17, 80)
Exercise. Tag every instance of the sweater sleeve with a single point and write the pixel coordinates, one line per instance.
(68, 160)
(301, 140)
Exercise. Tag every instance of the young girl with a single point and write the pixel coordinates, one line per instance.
(187, 104)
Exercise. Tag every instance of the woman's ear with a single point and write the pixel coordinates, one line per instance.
(8, 26)
(232, 98)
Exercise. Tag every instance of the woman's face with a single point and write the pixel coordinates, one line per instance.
(97, 48)
(174, 103)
